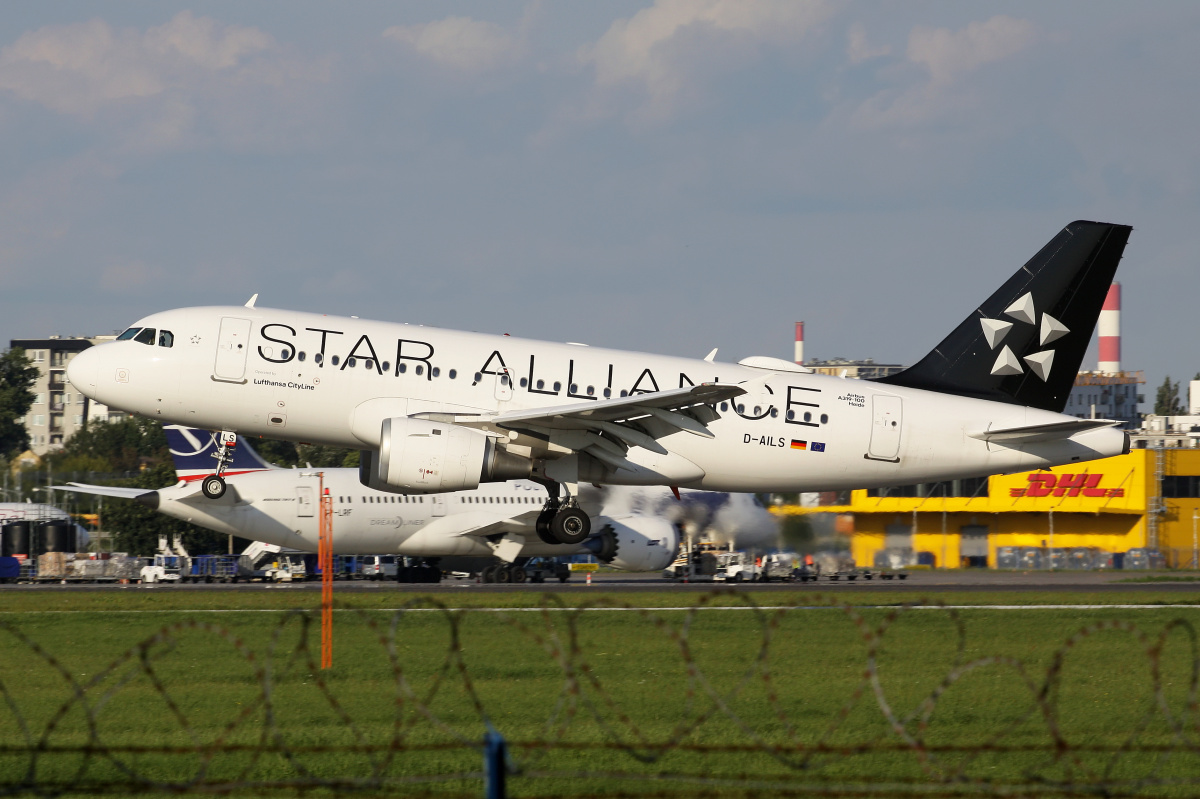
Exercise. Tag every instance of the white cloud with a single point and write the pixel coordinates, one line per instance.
(78, 69)
(171, 85)
(949, 57)
(459, 42)
(857, 47)
(951, 54)
(640, 49)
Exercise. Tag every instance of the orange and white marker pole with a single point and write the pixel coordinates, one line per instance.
(325, 561)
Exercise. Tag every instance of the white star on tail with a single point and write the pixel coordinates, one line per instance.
(1007, 364)
(1023, 310)
(994, 330)
(1040, 363)
(1052, 330)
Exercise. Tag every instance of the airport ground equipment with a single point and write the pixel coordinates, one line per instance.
(418, 570)
(853, 574)
(213, 569)
(698, 565)
(287, 567)
(378, 567)
(163, 568)
(778, 566)
(169, 565)
(737, 567)
(539, 570)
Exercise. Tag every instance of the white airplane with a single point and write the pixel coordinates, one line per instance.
(438, 411)
(637, 529)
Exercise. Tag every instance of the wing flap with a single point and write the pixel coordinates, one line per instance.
(622, 409)
(605, 428)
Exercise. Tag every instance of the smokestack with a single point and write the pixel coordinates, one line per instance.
(800, 342)
(1109, 328)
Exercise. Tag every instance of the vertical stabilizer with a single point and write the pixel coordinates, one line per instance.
(192, 450)
(1025, 343)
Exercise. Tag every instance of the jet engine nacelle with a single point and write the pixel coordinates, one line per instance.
(417, 456)
(635, 543)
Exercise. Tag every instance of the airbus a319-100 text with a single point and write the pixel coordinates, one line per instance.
(438, 410)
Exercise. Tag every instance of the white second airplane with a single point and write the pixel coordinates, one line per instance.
(637, 529)
(438, 411)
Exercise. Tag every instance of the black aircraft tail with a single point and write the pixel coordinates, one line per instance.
(1024, 345)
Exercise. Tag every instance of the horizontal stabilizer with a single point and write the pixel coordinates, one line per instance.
(1053, 431)
(104, 491)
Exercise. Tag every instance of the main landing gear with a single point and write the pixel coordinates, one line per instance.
(561, 520)
(213, 486)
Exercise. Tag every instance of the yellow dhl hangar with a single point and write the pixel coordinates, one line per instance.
(1135, 510)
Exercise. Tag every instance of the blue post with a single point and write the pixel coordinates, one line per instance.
(495, 764)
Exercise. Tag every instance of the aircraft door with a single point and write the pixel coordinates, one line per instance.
(304, 501)
(886, 424)
(439, 505)
(504, 388)
(233, 345)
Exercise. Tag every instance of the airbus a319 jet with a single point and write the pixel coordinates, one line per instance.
(438, 410)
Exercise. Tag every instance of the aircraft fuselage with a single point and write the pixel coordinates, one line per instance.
(333, 380)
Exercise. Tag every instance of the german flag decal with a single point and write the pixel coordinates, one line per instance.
(799, 444)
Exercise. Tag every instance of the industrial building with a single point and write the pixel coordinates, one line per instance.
(1146, 503)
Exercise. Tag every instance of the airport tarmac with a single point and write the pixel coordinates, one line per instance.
(918, 581)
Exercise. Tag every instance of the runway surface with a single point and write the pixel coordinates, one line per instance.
(917, 582)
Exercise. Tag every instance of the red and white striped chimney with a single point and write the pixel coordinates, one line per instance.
(800, 342)
(1109, 328)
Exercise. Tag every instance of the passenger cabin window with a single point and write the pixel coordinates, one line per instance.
(166, 338)
(128, 334)
(146, 336)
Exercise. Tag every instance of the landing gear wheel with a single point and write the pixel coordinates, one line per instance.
(488, 575)
(517, 574)
(570, 526)
(501, 574)
(213, 486)
(544, 522)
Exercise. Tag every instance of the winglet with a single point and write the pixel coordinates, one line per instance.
(251, 301)
(711, 355)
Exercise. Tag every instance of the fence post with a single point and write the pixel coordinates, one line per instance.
(495, 764)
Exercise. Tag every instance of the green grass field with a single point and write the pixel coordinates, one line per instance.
(875, 700)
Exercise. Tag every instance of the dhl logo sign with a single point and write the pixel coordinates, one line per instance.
(1065, 485)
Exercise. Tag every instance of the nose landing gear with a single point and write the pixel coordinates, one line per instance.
(213, 486)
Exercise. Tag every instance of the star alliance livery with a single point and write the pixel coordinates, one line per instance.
(437, 411)
(638, 529)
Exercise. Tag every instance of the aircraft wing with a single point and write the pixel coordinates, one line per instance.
(523, 522)
(608, 428)
(481, 523)
(104, 491)
(1043, 432)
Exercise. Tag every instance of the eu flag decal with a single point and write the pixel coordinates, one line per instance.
(818, 446)
(799, 444)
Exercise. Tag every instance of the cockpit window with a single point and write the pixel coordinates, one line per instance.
(128, 334)
(166, 338)
(146, 336)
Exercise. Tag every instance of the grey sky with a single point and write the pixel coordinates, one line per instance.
(669, 176)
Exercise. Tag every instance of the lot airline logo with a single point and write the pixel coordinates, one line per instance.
(1065, 485)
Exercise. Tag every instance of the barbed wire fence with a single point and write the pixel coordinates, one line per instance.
(61, 733)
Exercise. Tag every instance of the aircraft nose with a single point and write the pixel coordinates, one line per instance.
(82, 372)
